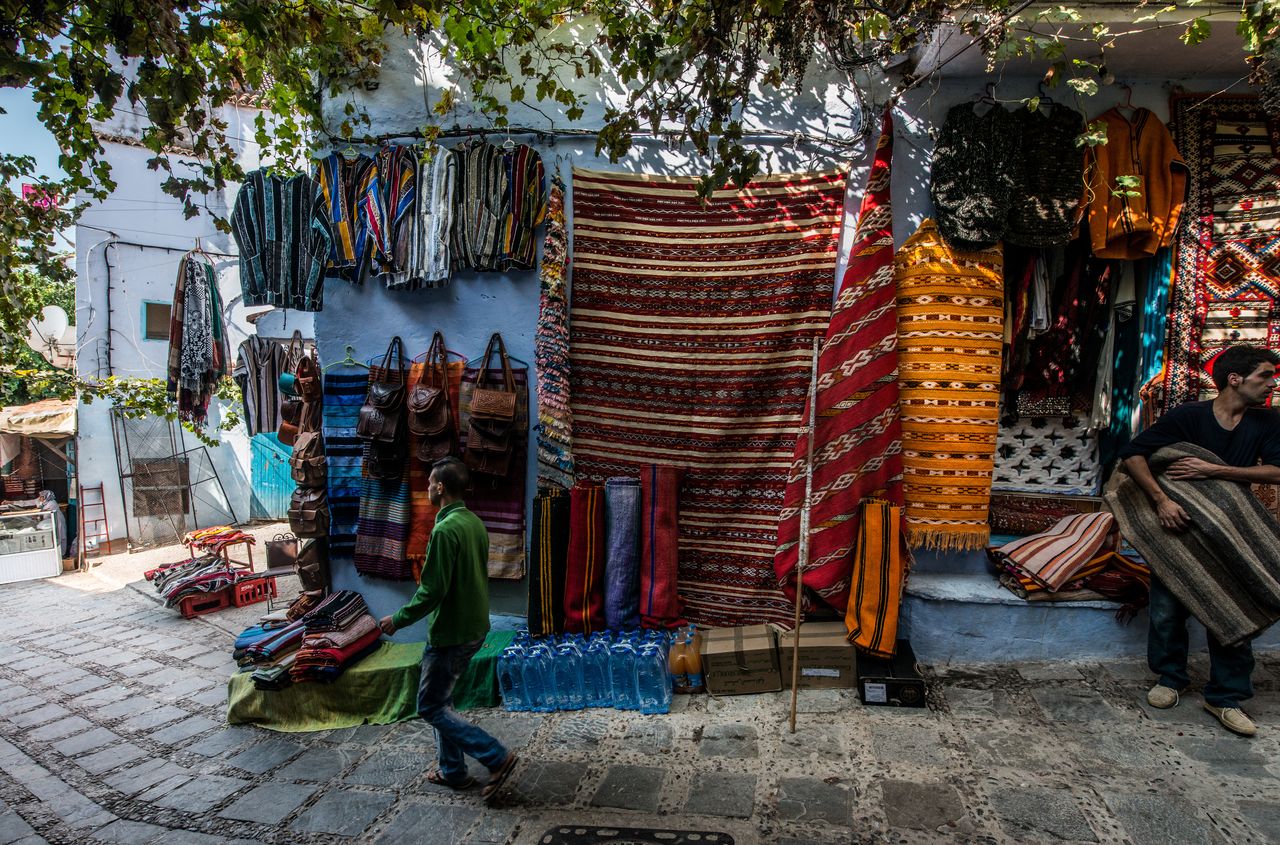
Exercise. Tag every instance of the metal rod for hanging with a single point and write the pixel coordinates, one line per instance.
(802, 559)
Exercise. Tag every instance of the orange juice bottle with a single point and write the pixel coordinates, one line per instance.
(677, 665)
(693, 661)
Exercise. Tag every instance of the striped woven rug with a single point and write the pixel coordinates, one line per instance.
(950, 337)
(690, 342)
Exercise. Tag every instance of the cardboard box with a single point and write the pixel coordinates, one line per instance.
(737, 661)
(827, 660)
(895, 682)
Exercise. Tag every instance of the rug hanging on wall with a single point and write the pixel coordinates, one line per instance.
(1226, 286)
(422, 514)
(857, 450)
(344, 391)
(499, 502)
(1047, 455)
(691, 334)
(950, 337)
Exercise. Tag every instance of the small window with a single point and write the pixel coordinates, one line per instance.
(155, 320)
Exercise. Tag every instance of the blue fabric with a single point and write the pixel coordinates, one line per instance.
(1230, 667)
(1154, 278)
(344, 391)
(622, 553)
(455, 736)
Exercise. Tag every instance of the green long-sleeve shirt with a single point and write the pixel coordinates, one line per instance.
(454, 589)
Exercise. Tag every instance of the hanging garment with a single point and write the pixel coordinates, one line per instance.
(382, 531)
(950, 311)
(1048, 180)
(283, 231)
(1155, 276)
(857, 449)
(526, 205)
(422, 514)
(1131, 223)
(975, 164)
(259, 364)
(430, 264)
(198, 355)
(660, 602)
(584, 576)
(344, 390)
(550, 556)
(343, 184)
(877, 578)
(551, 353)
(393, 216)
(478, 207)
(622, 554)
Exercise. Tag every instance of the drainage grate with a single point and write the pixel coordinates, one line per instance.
(631, 836)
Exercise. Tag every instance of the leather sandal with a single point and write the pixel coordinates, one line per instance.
(499, 777)
(437, 777)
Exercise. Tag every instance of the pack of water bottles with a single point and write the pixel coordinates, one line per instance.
(626, 670)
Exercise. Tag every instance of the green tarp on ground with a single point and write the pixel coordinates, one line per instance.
(379, 690)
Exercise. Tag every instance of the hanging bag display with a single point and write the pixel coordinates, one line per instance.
(308, 382)
(490, 436)
(307, 464)
(383, 410)
(313, 565)
(430, 412)
(282, 551)
(309, 512)
(287, 380)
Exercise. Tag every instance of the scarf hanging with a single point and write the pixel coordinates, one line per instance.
(344, 392)
(499, 502)
(551, 353)
(550, 553)
(622, 554)
(422, 514)
(857, 434)
(877, 579)
(660, 604)
(950, 310)
(198, 354)
(584, 578)
(382, 532)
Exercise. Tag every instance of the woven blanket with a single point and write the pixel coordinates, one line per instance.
(1047, 455)
(878, 575)
(1225, 568)
(622, 554)
(660, 604)
(1055, 557)
(584, 575)
(857, 450)
(690, 345)
(551, 352)
(550, 554)
(1227, 278)
(950, 334)
(499, 502)
(422, 514)
(382, 532)
(344, 391)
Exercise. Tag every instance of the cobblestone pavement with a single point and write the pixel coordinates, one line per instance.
(111, 731)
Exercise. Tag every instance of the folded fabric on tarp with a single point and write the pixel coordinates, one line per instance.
(584, 576)
(660, 604)
(622, 554)
(379, 690)
(310, 657)
(550, 555)
(336, 612)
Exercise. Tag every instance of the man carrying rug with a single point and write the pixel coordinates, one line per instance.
(1237, 429)
(454, 592)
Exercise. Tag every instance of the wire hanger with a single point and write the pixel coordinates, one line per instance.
(348, 361)
(350, 153)
(1127, 105)
(987, 95)
(1045, 99)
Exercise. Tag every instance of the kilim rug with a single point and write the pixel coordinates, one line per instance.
(499, 502)
(422, 514)
(382, 532)
(950, 335)
(344, 391)
(857, 434)
(878, 570)
(550, 554)
(584, 574)
(1047, 455)
(690, 344)
(1227, 264)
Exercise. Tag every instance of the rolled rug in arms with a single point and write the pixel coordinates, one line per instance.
(1225, 567)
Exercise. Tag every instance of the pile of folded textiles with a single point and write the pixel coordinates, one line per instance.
(1079, 559)
(338, 635)
(217, 538)
(205, 574)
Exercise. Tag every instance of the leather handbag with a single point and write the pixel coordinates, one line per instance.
(282, 551)
(491, 434)
(308, 464)
(287, 381)
(308, 380)
(287, 433)
(385, 460)
(312, 565)
(430, 411)
(382, 414)
(309, 512)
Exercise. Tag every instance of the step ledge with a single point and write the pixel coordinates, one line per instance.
(984, 589)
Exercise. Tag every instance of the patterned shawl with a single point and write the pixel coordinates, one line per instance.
(551, 353)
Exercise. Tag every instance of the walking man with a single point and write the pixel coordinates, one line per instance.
(1246, 436)
(454, 592)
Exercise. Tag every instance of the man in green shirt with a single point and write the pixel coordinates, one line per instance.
(454, 594)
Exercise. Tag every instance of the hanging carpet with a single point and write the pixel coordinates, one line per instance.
(950, 337)
(1047, 455)
(499, 502)
(382, 532)
(344, 392)
(422, 514)
(857, 448)
(690, 344)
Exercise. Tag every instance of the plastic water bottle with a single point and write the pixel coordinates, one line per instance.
(596, 683)
(570, 694)
(653, 681)
(539, 678)
(515, 695)
(622, 675)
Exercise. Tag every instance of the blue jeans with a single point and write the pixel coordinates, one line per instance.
(455, 736)
(1230, 667)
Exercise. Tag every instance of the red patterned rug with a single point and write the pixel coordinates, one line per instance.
(690, 340)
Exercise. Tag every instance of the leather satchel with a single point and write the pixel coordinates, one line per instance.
(491, 435)
(287, 433)
(309, 512)
(308, 464)
(307, 382)
(430, 411)
(282, 551)
(312, 565)
(383, 411)
(385, 460)
(288, 381)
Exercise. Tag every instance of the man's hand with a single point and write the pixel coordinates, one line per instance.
(1187, 469)
(388, 625)
(1172, 516)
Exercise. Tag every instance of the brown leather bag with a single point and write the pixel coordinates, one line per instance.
(308, 464)
(313, 565)
(382, 415)
(307, 382)
(385, 460)
(288, 433)
(309, 512)
(491, 434)
(430, 411)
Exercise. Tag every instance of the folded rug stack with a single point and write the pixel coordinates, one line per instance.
(205, 574)
(338, 634)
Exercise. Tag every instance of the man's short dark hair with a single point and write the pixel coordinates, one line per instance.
(1241, 360)
(453, 474)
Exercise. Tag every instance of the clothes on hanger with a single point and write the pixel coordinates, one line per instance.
(283, 229)
(259, 363)
(392, 215)
(198, 354)
(344, 182)
(430, 255)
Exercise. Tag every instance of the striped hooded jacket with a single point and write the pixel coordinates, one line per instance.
(282, 228)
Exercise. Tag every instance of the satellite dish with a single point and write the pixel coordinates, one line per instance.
(48, 334)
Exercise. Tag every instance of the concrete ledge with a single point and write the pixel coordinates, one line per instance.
(982, 589)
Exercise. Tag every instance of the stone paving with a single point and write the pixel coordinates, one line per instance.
(111, 731)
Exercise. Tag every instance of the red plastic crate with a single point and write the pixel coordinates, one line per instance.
(202, 603)
(252, 591)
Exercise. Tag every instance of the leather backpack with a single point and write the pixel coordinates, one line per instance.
(312, 564)
(491, 433)
(430, 411)
(383, 412)
(309, 512)
(307, 381)
(308, 464)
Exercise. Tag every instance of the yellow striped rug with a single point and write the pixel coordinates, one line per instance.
(950, 331)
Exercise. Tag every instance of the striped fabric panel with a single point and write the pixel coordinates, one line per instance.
(500, 502)
(382, 531)
(1055, 557)
(690, 337)
(344, 391)
(550, 553)
(875, 594)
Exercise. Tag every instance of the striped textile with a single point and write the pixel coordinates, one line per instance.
(1225, 568)
(282, 231)
(344, 390)
(660, 603)
(857, 434)
(422, 514)
(585, 570)
(1024, 585)
(550, 553)
(551, 353)
(950, 337)
(343, 183)
(430, 265)
(1055, 557)
(690, 343)
(477, 211)
(397, 216)
(259, 363)
(622, 554)
(382, 532)
(500, 502)
(525, 207)
(877, 577)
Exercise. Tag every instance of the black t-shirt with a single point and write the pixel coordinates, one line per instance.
(1256, 436)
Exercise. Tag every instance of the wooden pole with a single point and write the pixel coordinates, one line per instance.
(802, 559)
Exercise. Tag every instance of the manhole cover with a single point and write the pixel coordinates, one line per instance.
(631, 836)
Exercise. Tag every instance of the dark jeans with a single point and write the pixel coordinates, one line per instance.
(455, 736)
(1230, 667)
